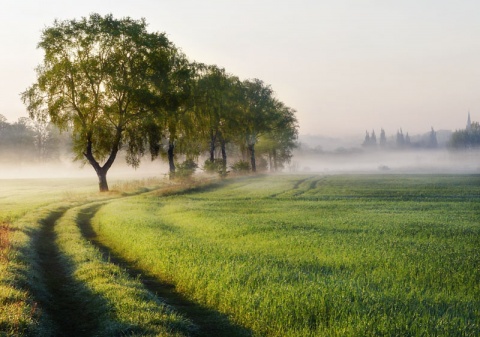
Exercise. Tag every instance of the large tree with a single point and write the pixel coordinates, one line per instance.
(101, 79)
(217, 106)
(278, 143)
(258, 115)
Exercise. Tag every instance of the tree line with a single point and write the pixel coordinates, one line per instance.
(30, 141)
(467, 138)
(400, 141)
(113, 85)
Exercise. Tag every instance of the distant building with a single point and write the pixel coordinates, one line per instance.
(469, 122)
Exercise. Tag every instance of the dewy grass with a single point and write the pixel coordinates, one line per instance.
(20, 282)
(23, 205)
(316, 255)
(119, 303)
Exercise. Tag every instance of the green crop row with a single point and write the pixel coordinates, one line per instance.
(316, 255)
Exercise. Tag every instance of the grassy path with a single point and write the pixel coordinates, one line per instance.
(209, 322)
(68, 312)
(87, 290)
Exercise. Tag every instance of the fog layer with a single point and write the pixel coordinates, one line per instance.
(340, 161)
(413, 161)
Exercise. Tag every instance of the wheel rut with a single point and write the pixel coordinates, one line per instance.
(209, 322)
(68, 312)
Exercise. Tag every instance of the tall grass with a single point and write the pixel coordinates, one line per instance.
(20, 204)
(316, 255)
(23, 205)
(119, 304)
(20, 279)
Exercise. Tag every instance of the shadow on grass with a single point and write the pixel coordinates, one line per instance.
(210, 322)
(65, 299)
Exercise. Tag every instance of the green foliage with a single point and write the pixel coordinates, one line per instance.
(316, 255)
(215, 167)
(241, 167)
(100, 79)
(114, 85)
(186, 169)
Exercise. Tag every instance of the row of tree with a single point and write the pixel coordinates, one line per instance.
(28, 141)
(401, 141)
(113, 85)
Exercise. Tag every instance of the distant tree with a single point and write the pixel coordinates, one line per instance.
(383, 139)
(17, 141)
(96, 80)
(47, 139)
(3, 121)
(400, 139)
(370, 140)
(407, 140)
(467, 138)
(373, 139)
(432, 139)
(366, 141)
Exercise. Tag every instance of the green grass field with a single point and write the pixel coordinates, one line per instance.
(301, 256)
(286, 255)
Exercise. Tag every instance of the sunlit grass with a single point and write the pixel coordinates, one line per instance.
(317, 255)
(20, 279)
(120, 304)
(23, 204)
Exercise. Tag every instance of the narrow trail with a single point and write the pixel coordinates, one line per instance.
(210, 322)
(67, 311)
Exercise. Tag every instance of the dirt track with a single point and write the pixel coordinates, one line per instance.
(72, 315)
(65, 309)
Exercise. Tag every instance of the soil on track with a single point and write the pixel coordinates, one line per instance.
(4, 241)
(70, 315)
(210, 322)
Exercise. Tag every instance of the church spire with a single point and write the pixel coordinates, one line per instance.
(469, 123)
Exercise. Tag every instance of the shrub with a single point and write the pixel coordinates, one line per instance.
(241, 167)
(186, 169)
(215, 167)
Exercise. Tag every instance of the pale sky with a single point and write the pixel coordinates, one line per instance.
(346, 66)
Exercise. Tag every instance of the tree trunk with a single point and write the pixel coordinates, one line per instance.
(275, 160)
(102, 170)
(251, 148)
(102, 180)
(171, 162)
(224, 155)
(212, 146)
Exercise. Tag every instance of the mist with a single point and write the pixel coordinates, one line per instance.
(65, 167)
(320, 155)
(354, 161)
(401, 162)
